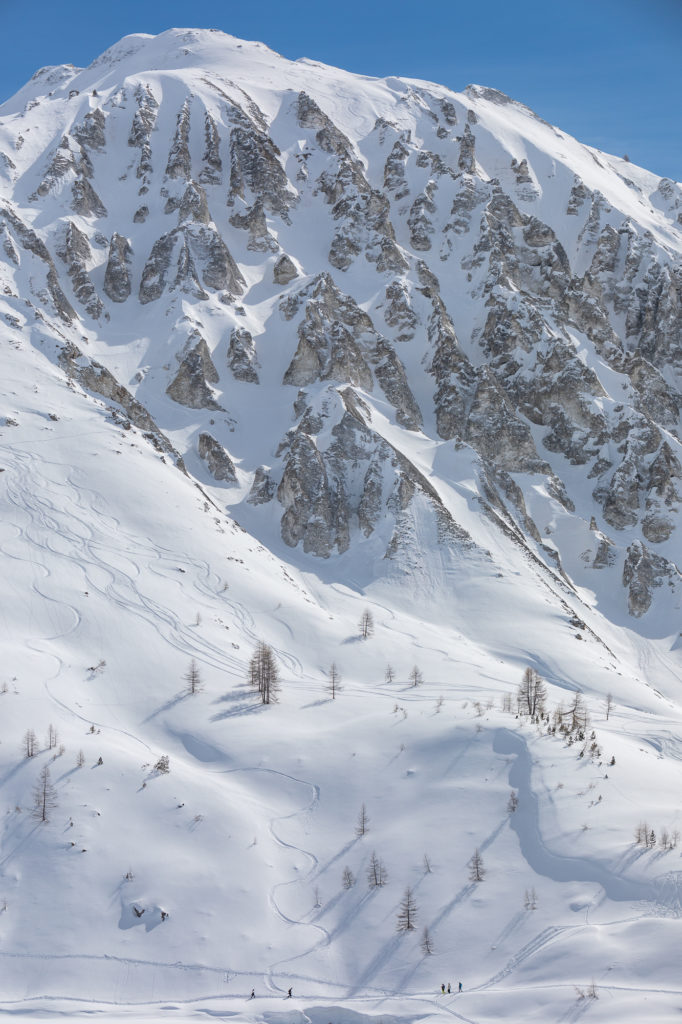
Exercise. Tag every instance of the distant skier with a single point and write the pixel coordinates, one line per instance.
(253, 994)
(442, 988)
(289, 994)
(449, 993)
(460, 986)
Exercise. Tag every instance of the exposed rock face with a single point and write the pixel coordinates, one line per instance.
(77, 254)
(327, 349)
(471, 404)
(419, 221)
(311, 512)
(201, 259)
(190, 386)
(141, 130)
(86, 201)
(29, 241)
(64, 164)
(394, 170)
(241, 357)
(663, 497)
(193, 206)
(117, 283)
(219, 270)
(253, 221)
(154, 277)
(90, 132)
(256, 172)
(643, 572)
(219, 463)
(179, 163)
(362, 213)
(356, 477)
(211, 172)
(398, 312)
(337, 341)
(284, 270)
(467, 152)
(263, 487)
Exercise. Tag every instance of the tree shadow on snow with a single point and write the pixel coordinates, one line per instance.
(250, 704)
(254, 708)
(180, 696)
(382, 958)
(347, 920)
(462, 895)
(337, 856)
(511, 926)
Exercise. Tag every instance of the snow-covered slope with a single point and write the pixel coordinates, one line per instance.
(282, 346)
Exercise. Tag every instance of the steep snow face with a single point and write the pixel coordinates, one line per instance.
(282, 345)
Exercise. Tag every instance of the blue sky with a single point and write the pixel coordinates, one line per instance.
(607, 71)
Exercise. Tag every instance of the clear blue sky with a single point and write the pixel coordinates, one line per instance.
(607, 71)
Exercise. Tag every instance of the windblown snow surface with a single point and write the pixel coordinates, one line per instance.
(152, 895)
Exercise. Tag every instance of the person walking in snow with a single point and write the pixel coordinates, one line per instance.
(253, 994)
(289, 994)
(460, 986)
(449, 993)
(442, 988)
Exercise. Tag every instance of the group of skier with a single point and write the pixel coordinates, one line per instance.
(287, 996)
(443, 989)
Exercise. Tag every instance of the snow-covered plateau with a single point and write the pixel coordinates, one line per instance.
(373, 388)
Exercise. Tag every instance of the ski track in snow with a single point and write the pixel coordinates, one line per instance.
(325, 936)
(97, 557)
(540, 941)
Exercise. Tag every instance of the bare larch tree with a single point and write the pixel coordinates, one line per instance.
(476, 869)
(366, 624)
(44, 795)
(416, 678)
(263, 673)
(532, 694)
(407, 914)
(362, 826)
(377, 875)
(334, 680)
(192, 678)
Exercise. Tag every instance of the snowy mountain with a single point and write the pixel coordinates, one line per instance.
(286, 349)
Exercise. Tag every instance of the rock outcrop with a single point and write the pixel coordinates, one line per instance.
(117, 284)
(217, 460)
(77, 255)
(190, 386)
(241, 357)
